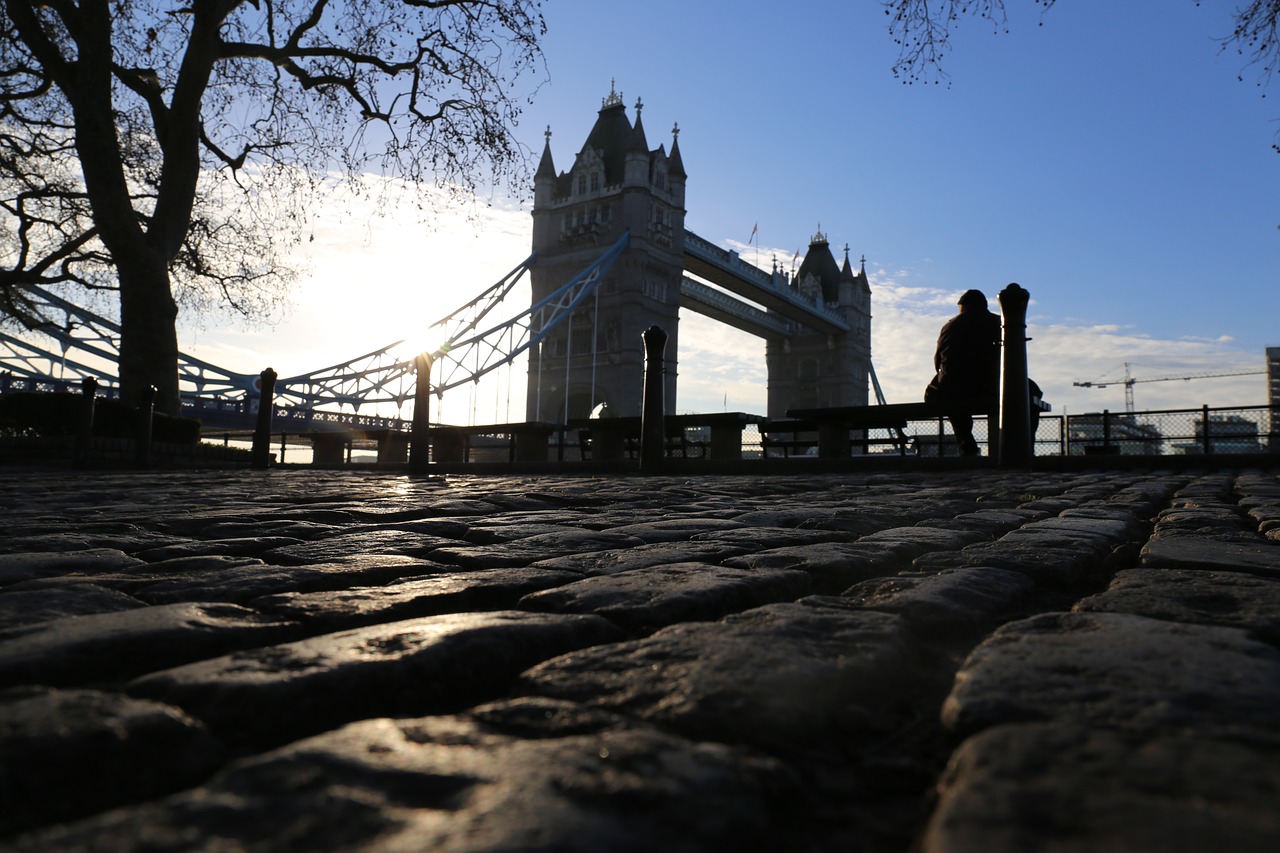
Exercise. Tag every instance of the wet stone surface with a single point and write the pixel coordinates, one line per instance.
(976, 660)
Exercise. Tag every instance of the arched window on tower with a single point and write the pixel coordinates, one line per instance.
(660, 179)
(582, 184)
(595, 181)
(582, 334)
(607, 340)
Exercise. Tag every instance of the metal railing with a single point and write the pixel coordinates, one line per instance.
(1164, 432)
(1167, 432)
(1173, 432)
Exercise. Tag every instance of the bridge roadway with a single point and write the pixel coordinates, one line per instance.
(727, 270)
(969, 659)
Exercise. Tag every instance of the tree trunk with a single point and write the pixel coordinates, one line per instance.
(148, 336)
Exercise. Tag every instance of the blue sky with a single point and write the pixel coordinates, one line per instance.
(1103, 155)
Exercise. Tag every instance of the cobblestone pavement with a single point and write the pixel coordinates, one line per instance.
(958, 661)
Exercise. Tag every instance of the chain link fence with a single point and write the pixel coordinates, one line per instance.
(1171, 432)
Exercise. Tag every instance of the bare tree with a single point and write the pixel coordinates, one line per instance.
(164, 152)
(922, 31)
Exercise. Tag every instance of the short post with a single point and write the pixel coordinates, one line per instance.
(420, 436)
(653, 403)
(260, 455)
(1015, 409)
(142, 431)
(1208, 444)
(84, 438)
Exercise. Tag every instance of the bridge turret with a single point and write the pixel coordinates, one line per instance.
(544, 193)
(855, 290)
(544, 180)
(676, 176)
(636, 168)
(812, 368)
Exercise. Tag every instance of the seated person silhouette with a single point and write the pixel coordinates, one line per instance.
(967, 362)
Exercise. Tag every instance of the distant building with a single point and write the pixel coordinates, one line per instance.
(1273, 396)
(1273, 376)
(1227, 434)
(1118, 434)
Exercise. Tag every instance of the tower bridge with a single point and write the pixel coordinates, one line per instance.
(816, 324)
(611, 257)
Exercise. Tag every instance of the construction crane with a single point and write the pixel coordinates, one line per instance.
(1129, 382)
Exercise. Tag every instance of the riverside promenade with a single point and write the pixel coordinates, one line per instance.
(891, 660)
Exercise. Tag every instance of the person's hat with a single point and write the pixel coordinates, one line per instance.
(973, 297)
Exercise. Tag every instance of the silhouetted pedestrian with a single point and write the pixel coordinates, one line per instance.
(967, 361)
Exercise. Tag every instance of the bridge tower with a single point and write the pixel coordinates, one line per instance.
(812, 369)
(617, 183)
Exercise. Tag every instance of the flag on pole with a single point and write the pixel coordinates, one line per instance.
(753, 233)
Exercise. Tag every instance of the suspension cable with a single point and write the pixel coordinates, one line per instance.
(568, 357)
(595, 343)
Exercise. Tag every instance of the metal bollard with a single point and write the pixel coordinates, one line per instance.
(420, 437)
(1015, 410)
(260, 455)
(84, 438)
(142, 432)
(653, 403)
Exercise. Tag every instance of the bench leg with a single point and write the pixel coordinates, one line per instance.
(833, 441)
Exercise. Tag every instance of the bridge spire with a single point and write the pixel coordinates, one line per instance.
(639, 144)
(614, 98)
(675, 163)
(546, 166)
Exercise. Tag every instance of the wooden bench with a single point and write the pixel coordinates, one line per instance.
(329, 449)
(528, 441)
(833, 424)
(790, 436)
(393, 444)
(726, 430)
(618, 438)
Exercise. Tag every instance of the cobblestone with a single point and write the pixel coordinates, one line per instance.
(977, 660)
